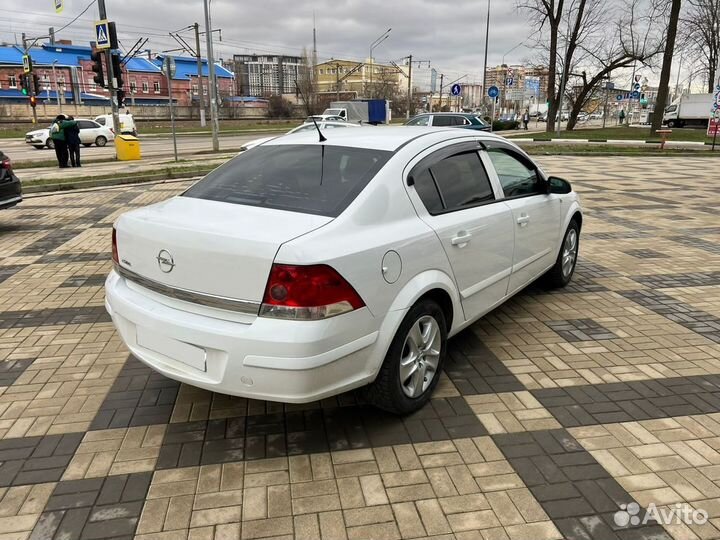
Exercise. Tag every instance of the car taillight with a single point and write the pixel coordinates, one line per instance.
(115, 257)
(307, 293)
(7, 164)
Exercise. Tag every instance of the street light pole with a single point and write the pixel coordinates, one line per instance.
(201, 97)
(487, 38)
(211, 79)
(57, 88)
(374, 44)
(111, 77)
(30, 78)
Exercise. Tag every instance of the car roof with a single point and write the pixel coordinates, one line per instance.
(388, 138)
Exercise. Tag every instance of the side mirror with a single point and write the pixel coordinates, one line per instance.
(558, 185)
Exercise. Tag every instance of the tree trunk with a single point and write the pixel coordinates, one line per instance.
(552, 69)
(662, 96)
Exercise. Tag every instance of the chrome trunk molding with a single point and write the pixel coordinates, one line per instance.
(185, 295)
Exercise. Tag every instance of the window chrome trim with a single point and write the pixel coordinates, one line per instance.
(209, 300)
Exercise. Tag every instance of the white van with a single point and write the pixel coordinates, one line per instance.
(127, 123)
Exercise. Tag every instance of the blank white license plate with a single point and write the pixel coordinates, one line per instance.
(189, 355)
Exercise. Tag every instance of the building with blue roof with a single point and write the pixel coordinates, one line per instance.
(65, 70)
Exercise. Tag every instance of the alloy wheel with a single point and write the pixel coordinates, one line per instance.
(569, 252)
(420, 356)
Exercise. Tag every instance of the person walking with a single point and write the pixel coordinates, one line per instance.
(58, 136)
(622, 116)
(72, 138)
(526, 118)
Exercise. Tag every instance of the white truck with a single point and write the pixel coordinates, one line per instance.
(361, 111)
(689, 109)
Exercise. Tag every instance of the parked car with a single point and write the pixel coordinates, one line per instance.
(324, 118)
(10, 186)
(127, 123)
(308, 126)
(461, 120)
(90, 133)
(301, 269)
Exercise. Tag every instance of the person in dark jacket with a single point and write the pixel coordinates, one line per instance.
(58, 136)
(72, 138)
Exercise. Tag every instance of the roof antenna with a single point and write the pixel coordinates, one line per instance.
(312, 116)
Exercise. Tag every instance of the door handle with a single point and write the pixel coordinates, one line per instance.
(462, 238)
(523, 220)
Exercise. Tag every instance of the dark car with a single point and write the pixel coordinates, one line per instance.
(10, 188)
(461, 120)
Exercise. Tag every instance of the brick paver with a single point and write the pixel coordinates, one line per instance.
(554, 410)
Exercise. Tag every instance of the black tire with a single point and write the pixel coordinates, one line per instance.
(387, 391)
(100, 141)
(50, 144)
(557, 277)
(672, 124)
(39, 146)
(87, 145)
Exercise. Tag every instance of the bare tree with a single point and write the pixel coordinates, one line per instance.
(700, 32)
(596, 39)
(664, 88)
(305, 85)
(546, 16)
(634, 37)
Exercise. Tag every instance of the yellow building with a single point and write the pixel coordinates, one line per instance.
(363, 78)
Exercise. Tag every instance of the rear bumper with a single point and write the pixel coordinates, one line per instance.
(271, 359)
(10, 192)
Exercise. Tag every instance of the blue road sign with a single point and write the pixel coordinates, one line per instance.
(102, 34)
(509, 81)
(636, 86)
(493, 92)
(619, 97)
(635, 95)
(456, 89)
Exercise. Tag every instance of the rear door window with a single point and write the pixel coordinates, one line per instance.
(86, 124)
(312, 179)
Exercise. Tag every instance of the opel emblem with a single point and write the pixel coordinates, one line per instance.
(165, 261)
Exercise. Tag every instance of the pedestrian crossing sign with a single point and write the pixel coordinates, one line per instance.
(102, 35)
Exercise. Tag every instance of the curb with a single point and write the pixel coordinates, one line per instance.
(611, 141)
(106, 182)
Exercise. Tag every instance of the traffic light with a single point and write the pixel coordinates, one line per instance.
(117, 70)
(24, 87)
(97, 67)
(33, 101)
(36, 83)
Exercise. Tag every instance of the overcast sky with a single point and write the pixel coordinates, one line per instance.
(448, 33)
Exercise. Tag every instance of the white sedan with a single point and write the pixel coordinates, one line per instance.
(301, 269)
(307, 126)
(90, 133)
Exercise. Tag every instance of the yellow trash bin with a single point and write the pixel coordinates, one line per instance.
(127, 147)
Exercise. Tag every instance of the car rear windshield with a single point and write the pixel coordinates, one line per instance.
(312, 179)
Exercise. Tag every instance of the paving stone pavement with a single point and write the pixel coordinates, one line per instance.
(554, 410)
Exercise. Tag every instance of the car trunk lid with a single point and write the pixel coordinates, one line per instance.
(209, 247)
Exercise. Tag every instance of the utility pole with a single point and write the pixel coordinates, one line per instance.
(409, 86)
(337, 82)
(211, 79)
(111, 75)
(30, 78)
(487, 38)
(201, 97)
(442, 76)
